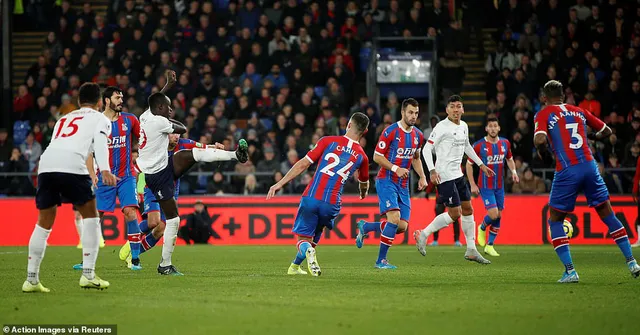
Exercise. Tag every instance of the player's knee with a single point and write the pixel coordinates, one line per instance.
(454, 213)
(494, 214)
(130, 214)
(402, 227)
(466, 210)
(393, 217)
(556, 216)
(604, 209)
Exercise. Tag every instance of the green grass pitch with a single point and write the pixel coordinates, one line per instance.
(245, 289)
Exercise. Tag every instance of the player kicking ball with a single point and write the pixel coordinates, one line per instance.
(154, 222)
(338, 158)
(565, 127)
(450, 139)
(397, 151)
(63, 173)
(493, 151)
(160, 172)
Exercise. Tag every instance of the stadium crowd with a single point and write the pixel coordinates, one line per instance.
(593, 48)
(284, 73)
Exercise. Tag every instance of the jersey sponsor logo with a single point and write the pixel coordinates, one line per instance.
(495, 159)
(459, 142)
(406, 153)
(115, 142)
(381, 145)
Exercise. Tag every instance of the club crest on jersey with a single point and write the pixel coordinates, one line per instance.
(124, 127)
(415, 141)
(388, 204)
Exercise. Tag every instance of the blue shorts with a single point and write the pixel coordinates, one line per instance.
(313, 215)
(452, 192)
(568, 182)
(492, 198)
(162, 183)
(125, 189)
(393, 197)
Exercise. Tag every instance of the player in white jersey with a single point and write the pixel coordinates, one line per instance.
(450, 139)
(161, 172)
(63, 173)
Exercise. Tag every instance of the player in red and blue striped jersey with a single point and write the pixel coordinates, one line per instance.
(338, 158)
(153, 224)
(565, 127)
(124, 128)
(398, 149)
(493, 151)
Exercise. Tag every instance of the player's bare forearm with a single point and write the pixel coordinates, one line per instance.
(382, 161)
(92, 170)
(471, 154)
(417, 166)
(178, 127)
(171, 80)
(469, 170)
(606, 132)
(511, 164)
(297, 169)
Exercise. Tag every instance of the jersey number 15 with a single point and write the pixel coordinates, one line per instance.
(70, 129)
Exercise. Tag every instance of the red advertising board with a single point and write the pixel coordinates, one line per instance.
(253, 220)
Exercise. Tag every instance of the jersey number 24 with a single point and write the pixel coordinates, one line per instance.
(334, 160)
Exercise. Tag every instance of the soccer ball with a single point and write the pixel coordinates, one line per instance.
(568, 228)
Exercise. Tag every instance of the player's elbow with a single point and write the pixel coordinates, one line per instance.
(376, 158)
(606, 132)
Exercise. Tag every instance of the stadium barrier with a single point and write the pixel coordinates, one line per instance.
(252, 220)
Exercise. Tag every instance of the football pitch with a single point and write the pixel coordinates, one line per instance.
(245, 289)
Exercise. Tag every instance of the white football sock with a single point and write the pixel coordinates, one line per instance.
(469, 230)
(37, 246)
(170, 236)
(212, 155)
(79, 227)
(90, 246)
(438, 223)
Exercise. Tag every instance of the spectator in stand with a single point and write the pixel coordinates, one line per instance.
(31, 150)
(529, 184)
(23, 103)
(16, 185)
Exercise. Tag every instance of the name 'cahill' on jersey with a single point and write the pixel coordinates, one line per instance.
(566, 128)
(338, 157)
(153, 143)
(399, 147)
(72, 141)
(493, 155)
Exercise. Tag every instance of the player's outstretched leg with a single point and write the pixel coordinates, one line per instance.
(294, 268)
(364, 228)
(218, 155)
(619, 235)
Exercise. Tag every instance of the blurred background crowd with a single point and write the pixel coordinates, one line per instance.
(283, 73)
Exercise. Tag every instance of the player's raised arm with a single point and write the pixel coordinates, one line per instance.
(178, 127)
(171, 80)
(312, 156)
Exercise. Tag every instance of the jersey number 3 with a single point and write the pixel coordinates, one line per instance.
(573, 128)
(334, 160)
(72, 127)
